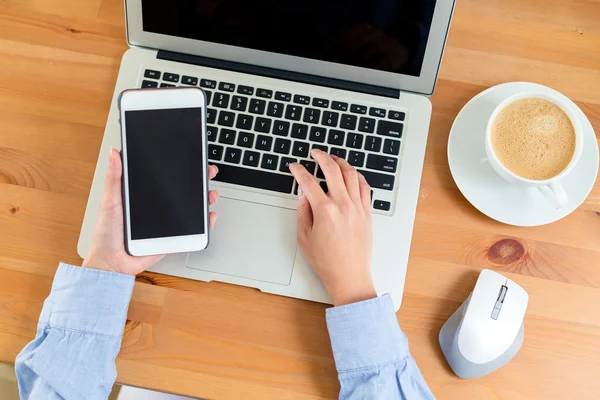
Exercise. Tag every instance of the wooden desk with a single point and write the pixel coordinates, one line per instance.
(58, 65)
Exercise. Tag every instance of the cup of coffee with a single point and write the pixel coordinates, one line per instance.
(535, 140)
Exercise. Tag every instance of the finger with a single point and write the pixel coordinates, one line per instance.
(213, 196)
(365, 193)
(351, 180)
(212, 218)
(213, 170)
(309, 185)
(332, 172)
(112, 186)
(305, 215)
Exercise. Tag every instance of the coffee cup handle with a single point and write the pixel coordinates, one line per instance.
(555, 192)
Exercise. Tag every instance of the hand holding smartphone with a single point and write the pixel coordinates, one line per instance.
(165, 171)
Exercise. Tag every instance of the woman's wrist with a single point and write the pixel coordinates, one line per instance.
(352, 294)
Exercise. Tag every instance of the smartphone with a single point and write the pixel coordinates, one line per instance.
(165, 168)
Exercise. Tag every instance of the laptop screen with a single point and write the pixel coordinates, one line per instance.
(386, 35)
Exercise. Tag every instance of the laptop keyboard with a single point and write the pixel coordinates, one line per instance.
(255, 133)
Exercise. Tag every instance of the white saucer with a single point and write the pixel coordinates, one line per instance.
(491, 194)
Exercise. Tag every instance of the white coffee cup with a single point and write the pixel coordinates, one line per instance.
(551, 188)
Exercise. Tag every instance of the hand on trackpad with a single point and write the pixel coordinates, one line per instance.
(250, 241)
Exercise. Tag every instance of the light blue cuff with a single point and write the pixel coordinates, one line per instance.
(88, 300)
(366, 334)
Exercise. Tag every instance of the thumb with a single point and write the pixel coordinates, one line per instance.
(112, 186)
(305, 214)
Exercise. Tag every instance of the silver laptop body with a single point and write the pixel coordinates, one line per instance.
(349, 77)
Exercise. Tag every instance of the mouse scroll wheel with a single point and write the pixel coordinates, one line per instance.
(502, 294)
(499, 302)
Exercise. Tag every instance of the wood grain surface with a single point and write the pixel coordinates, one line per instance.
(58, 66)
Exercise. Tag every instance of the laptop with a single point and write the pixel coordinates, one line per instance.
(349, 77)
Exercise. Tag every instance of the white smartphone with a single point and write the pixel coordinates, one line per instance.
(165, 170)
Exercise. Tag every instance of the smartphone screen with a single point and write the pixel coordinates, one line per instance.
(165, 172)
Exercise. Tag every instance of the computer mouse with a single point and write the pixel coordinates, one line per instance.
(487, 329)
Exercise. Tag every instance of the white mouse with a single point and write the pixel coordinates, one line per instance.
(487, 329)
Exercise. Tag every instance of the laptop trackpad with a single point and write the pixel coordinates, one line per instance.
(250, 241)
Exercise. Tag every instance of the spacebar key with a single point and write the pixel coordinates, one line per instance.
(254, 178)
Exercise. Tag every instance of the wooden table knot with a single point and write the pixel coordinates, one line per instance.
(506, 251)
(145, 279)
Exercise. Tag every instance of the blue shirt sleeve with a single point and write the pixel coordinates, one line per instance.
(371, 353)
(78, 336)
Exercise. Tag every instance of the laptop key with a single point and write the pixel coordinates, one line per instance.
(211, 115)
(330, 118)
(248, 90)
(244, 121)
(207, 92)
(299, 131)
(233, 155)
(320, 174)
(323, 185)
(320, 147)
(226, 87)
(391, 146)
(245, 139)
(282, 146)
(373, 143)
(320, 102)
(227, 136)
(166, 85)
(397, 115)
(317, 134)
(283, 96)
(215, 152)
(366, 124)
(264, 143)
(262, 125)
(348, 122)
(189, 80)
(382, 163)
(208, 83)
(356, 158)
(382, 205)
(354, 140)
(311, 115)
(301, 99)
(152, 74)
(338, 105)
(266, 93)
(284, 166)
(239, 103)
(389, 128)
(226, 118)
(300, 149)
(358, 109)
(220, 100)
(269, 161)
(211, 133)
(257, 106)
(149, 84)
(251, 158)
(170, 77)
(293, 112)
(336, 137)
(309, 165)
(377, 112)
(275, 109)
(377, 180)
(336, 151)
(281, 128)
(255, 178)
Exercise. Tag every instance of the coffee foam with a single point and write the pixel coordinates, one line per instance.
(533, 138)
